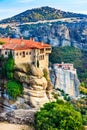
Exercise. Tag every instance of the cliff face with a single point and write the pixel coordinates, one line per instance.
(36, 89)
(66, 80)
(71, 32)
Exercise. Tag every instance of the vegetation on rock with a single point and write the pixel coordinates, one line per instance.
(45, 72)
(81, 106)
(1, 43)
(83, 90)
(58, 116)
(9, 66)
(14, 88)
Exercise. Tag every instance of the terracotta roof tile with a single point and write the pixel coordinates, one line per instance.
(21, 44)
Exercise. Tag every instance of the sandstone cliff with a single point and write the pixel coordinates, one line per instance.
(37, 89)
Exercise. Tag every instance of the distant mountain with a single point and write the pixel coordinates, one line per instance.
(49, 25)
(43, 13)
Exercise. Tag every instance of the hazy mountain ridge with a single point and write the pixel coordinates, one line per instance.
(43, 13)
(71, 30)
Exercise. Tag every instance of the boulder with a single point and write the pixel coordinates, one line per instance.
(19, 116)
(31, 80)
(35, 93)
(22, 77)
(29, 69)
(25, 68)
(37, 101)
(38, 82)
(36, 72)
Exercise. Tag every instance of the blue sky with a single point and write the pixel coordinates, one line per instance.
(10, 8)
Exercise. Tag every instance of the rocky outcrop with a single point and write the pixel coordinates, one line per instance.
(66, 80)
(19, 116)
(37, 89)
(67, 31)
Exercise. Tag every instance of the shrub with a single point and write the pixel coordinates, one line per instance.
(45, 72)
(58, 116)
(9, 66)
(14, 89)
(1, 43)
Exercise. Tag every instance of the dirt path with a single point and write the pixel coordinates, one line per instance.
(7, 126)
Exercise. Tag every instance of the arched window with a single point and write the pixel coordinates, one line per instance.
(23, 53)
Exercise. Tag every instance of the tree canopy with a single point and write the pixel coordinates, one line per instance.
(14, 89)
(58, 116)
(9, 66)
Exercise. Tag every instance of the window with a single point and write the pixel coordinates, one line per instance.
(41, 51)
(17, 54)
(6, 53)
(29, 53)
(23, 53)
(33, 50)
(48, 49)
(41, 57)
(26, 53)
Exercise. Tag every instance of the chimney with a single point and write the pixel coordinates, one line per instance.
(9, 37)
(10, 40)
(31, 38)
(42, 43)
(21, 38)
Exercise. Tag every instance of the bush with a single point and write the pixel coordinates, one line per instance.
(9, 66)
(83, 90)
(58, 116)
(14, 89)
(1, 43)
(45, 72)
(81, 106)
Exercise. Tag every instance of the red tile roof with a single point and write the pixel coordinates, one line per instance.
(21, 44)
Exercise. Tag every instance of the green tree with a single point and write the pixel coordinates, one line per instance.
(2, 67)
(81, 106)
(9, 65)
(58, 116)
(1, 43)
(14, 89)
